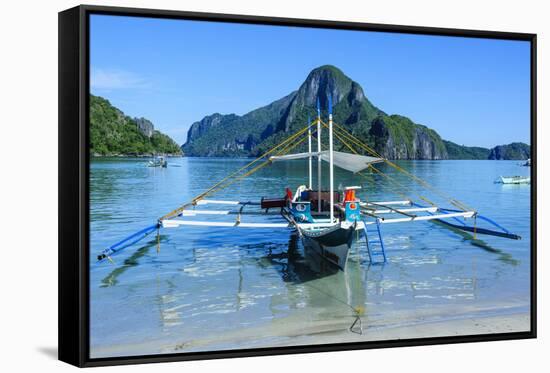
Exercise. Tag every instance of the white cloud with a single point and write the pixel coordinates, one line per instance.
(110, 79)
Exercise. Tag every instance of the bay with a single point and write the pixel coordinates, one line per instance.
(217, 289)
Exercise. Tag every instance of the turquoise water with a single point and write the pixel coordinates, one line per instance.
(237, 288)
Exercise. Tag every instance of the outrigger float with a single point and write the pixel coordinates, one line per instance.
(327, 221)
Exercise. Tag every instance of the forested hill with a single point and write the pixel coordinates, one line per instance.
(456, 151)
(513, 151)
(114, 133)
(393, 136)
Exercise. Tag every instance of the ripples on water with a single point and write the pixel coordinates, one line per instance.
(227, 288)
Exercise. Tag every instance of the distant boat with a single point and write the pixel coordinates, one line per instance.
(527, 163)
(159, 161)
(514, 180)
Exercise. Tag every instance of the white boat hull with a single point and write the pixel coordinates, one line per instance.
(515, 180)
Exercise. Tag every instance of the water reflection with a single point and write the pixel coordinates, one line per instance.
(295, 263)
(503, 256)
(310, 281)
(112, 278)
(265, 283)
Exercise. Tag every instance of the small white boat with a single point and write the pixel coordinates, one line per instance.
(159, 161)
(514, 180)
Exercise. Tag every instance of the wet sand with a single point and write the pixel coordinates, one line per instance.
(285, 333)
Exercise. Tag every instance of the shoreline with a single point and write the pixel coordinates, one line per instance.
(133, 155)
(278, 335)
(253, 157)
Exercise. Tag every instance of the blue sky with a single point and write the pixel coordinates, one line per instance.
(175, 72)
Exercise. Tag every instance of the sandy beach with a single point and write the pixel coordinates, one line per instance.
(284, 332)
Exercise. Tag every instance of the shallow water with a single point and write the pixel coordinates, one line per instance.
(239, 288)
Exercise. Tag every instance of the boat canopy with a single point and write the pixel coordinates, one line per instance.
(347, 161)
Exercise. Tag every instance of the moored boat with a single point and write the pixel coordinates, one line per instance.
(332, 243)
(514, 180)
(330, 240)
(158, 161)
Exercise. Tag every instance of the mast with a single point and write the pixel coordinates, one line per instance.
(331, 158)
(319, 155)
(309, 150)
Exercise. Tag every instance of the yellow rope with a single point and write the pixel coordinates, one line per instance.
(283, 151)
(216, 186)
(454, 202)
(372, 167)
(414, 177)
(260, 166)
(427, 200)
(425, 184)
(391, 180)
(342, 134)
(388, 177)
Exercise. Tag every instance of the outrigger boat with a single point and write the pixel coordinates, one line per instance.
(158, 161)
(327, 221)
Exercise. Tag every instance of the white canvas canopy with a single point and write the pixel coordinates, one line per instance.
(347, 161)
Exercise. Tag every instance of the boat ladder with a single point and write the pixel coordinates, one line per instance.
(375, 247)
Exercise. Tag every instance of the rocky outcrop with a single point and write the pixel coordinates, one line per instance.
(233, 135)
(145, 126)
(394, 136)
(250, 134)
(397, 137)
(112, 133)
(208, 123)
(321, 83)
(515, 150)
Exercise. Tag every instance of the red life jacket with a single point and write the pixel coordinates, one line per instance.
(288, 193)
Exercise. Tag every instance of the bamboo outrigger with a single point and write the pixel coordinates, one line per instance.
(327, 221)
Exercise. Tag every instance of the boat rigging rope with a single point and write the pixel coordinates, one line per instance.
(220, 185)
(338, 136)
(425, 184)
(260, 166)
(138, 236)
(420, 181)
(388, 177)
(358, 311)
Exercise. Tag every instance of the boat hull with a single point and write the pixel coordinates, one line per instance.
(332, 244)
(515, 180)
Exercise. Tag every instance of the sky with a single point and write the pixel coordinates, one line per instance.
(472, 91)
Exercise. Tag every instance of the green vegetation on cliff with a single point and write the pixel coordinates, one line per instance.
(515, 150)
(113, 133)
(456, 151)
(252, 134)
(392, 136)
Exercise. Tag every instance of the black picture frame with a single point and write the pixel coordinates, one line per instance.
(74, 88)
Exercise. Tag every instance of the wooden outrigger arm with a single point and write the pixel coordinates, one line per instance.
(386, 209)
(371, 209)
(403, 212)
